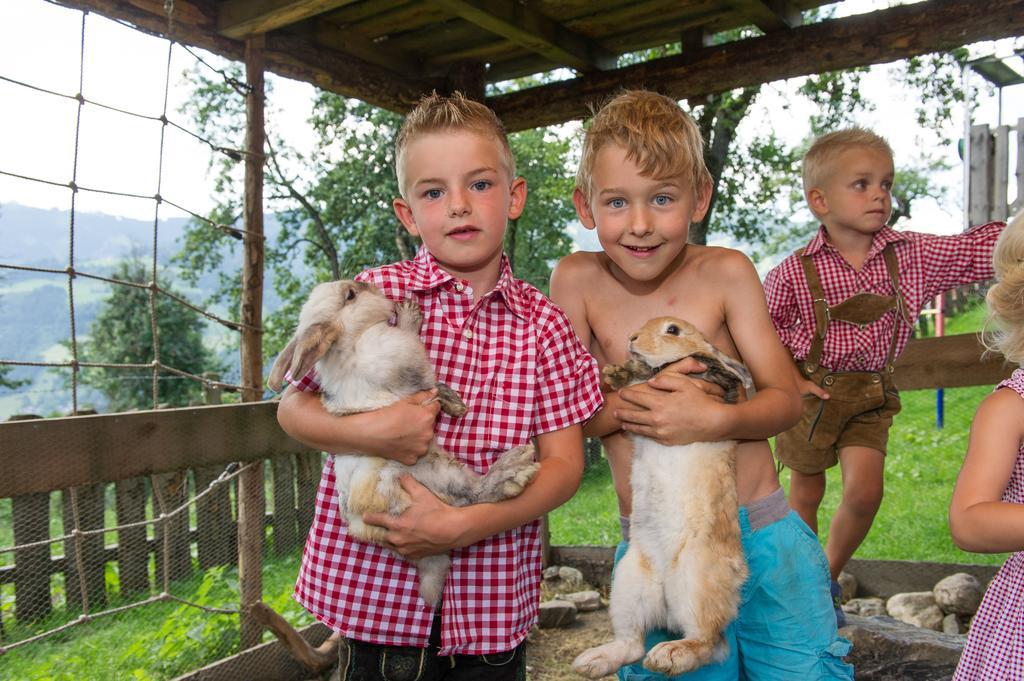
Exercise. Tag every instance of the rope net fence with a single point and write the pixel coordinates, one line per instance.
(136, 578)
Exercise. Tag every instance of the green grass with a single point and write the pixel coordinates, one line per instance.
(154, 641)
(920, 472)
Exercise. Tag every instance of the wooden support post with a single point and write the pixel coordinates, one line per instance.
(251, 499)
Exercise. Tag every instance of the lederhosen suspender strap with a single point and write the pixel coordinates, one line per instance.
(823, 313)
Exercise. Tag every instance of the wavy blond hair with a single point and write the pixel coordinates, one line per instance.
(438, 113)
(1006, 298)
(657, 135)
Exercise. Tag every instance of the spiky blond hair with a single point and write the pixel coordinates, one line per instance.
(439, 113)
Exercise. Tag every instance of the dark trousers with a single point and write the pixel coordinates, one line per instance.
(360, 661)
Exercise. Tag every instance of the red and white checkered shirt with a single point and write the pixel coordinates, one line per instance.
(928, 265)
(515, 360)
(995, 644)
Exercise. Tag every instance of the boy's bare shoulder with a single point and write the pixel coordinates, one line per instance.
(580, 263)
(719, 263)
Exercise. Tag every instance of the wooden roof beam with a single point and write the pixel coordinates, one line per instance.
(874, 38)
(241, 18)
(194, 22)
(529, 28)
(769, 15)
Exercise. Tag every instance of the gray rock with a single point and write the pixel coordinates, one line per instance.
(959, 594)
(570, 576)
(951, 624)
(556, 613)
(848, 583)
(887, 650)
(551, 572)
(586, 601)
(917, 608)
(865, 607)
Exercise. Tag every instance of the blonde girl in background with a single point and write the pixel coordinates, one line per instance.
(987, 511)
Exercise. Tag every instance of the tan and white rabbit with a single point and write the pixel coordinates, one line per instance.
(684, 567)
(368, 354)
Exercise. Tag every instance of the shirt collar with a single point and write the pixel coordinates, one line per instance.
(879, 241)
(425, 274)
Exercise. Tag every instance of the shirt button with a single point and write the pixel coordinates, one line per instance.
(468, 334)
(459, 286)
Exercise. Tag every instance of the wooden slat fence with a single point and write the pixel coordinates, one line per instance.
(130, 462)
(989, 171)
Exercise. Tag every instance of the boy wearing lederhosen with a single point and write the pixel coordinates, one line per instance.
(845, 306)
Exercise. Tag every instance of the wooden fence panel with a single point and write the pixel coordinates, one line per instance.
(83, 508)
(284, 523)
(132, 547)
(31, 519)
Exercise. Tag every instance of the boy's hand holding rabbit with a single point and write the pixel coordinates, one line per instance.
(428, 527)
(401, 431)
(673, 409)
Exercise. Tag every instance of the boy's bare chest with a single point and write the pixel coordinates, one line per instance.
(614, 315)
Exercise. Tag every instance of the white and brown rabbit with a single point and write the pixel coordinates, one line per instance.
(684, 567)
(368, 354)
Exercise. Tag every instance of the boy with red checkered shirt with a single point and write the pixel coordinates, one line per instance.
(513, 357)
(845, 307)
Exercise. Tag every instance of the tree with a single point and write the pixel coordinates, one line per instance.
(334, 205)
(123, 334)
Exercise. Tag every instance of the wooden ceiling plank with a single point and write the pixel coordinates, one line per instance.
(241, 18)
(769, 15)
(877, 37)
(531, 29)
(382, 54)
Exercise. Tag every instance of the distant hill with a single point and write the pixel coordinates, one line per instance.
(34, 309)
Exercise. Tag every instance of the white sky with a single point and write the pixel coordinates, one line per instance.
(40, 43)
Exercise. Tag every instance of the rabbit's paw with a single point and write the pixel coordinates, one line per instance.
(408, 314)
(616, 377)
(510, 474)
(677, 657)
(451, 403)
(604, 660)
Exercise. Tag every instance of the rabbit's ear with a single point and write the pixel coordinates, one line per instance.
(314, 342)
(276, 379)
(739, 369)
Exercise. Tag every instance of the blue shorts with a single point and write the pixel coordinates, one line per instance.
(786, 627)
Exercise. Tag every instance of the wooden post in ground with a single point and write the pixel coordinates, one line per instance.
(251, 500)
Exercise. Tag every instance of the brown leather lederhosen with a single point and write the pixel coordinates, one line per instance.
(861, 404)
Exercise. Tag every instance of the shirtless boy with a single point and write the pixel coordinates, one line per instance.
(641, 181)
